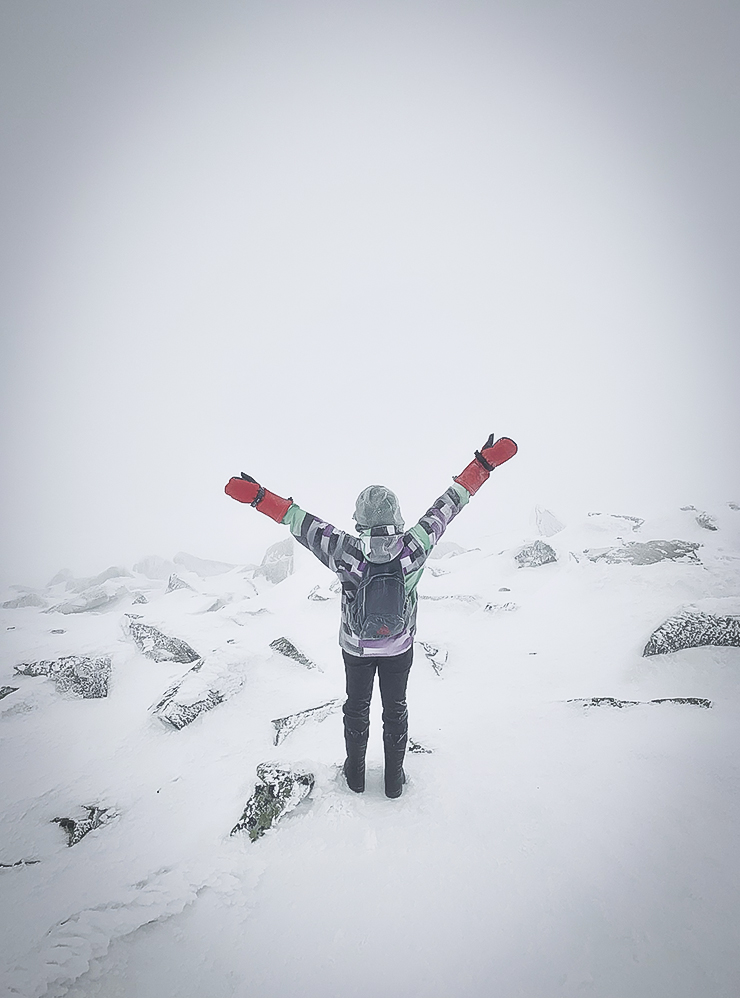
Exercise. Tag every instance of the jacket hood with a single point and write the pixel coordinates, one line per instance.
(382, 544)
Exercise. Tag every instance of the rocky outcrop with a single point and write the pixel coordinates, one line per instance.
(703, 518)
(202, 566)
(77, 828)
(84, 677)
(280, 790)
(201, 689)
(5, 691)
(284, 725)
(613, 702)
(288, 649)
(707, 622)
(175, 582)
(277, 563)
(27, 599)
(535, 554)
(436, 654)
(155, 645)
(648, 553)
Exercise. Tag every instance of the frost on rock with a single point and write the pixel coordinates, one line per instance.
(202, 567)
(704, 519)
(156, 645)
(284, 725)
(5, 691)
(634, 522)
(277, 563)
(535, 554)
(78, 674)
(547, 523)
(281, 790)
(28, 599)
(175, 582)
(436, 655)
(288, 649)
(90, 601)
(709, 622)
(649, 553)
(201, 688)
(77, 828)
(613, 702)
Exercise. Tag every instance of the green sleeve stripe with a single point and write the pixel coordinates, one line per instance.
(411, 581)
(462, 493)
(422, 537)
(294, 519)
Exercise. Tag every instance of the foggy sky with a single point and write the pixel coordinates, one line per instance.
(332, 244)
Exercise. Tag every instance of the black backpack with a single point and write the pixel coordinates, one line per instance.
(379, 607)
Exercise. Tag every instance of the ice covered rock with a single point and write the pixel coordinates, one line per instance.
(202, 566)
(277, 563)
(612, 521)
(27, 599)
(154, 567)
(90, 601)
(78, 674)
(175, 582)
(500, 607)
(707, 622)
(648, 553)
(5, 691)
(547, 523)
(446, 549)
(77, 828)
(436, 654)
(284, 725)
(418, 748)
(288, 649)
(535, 554)
(156, 645)
(201, 688)
(704, 519)
(280, 790)
(613, 702)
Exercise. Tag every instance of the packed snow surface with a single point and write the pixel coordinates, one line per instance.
(548, 843)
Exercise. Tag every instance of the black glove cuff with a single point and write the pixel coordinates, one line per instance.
(259, 497)
(481, 460)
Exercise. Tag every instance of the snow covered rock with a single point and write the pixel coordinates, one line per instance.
(547, 523)
(288, 649)
(277, 563)
(281, 790)
(446, 549)
(707, 622)
(156, 645)
(535, 554)
(704, 519)
(5, 691)
(418, 748)
(90, 601)
(154, 567)
(500, 607)
(202, 567)
(175, 582)
(27, 599)
(611, 521)
(436, 655)
(201, 688)
(613, 702)
(451, 598)
(78, 674)
(77, 828)
(284, 725)
(649, 553)
(19, 862)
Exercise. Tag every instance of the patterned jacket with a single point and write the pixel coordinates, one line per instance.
(348, 556)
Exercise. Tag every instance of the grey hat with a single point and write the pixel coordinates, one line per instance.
(377, 506)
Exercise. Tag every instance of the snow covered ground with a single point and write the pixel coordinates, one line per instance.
(541, 847)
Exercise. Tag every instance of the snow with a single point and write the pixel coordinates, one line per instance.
(541, 848)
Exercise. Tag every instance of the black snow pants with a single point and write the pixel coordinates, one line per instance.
(393, 674)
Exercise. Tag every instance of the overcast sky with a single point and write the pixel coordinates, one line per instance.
(333, 244)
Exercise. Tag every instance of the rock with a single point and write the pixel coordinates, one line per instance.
(705, 520)
(218, 604)
(633, 522)
(154, 567)
(535, 554)
(284, 725)
(78, 674)
(452, 598)
(140, 598)
(277, 563)
(707, 622)
(547, 523)
(19, 862)
(58, 630)
(77, 829)
(613, 702)
(91, 601)
(175, 582)
(288, 649)
(436, 655)
(446, 549)
(497, 607)
(5, 691)
(280, 791)
(202, 566)
(156, 645)
(417, 747)
(28, 599)
(734, 505)
(316, 596)
(435, 572)
(201, 689)
(649, 553)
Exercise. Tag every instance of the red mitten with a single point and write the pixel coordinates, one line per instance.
(245, 489)
(490, 456)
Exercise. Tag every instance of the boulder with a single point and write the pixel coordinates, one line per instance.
(288, 649)
(201, 689)
(284, 725)
(77, 828)
(154, 567)
(547, 523)
(156, 645)
(613, 702)
(5, 691)
(535, 554)
(28, 599)
(707, 622)
(280, 790)
(78, 674)
(277, 563)
(202, 566)
(649, 553)
(436, 655)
